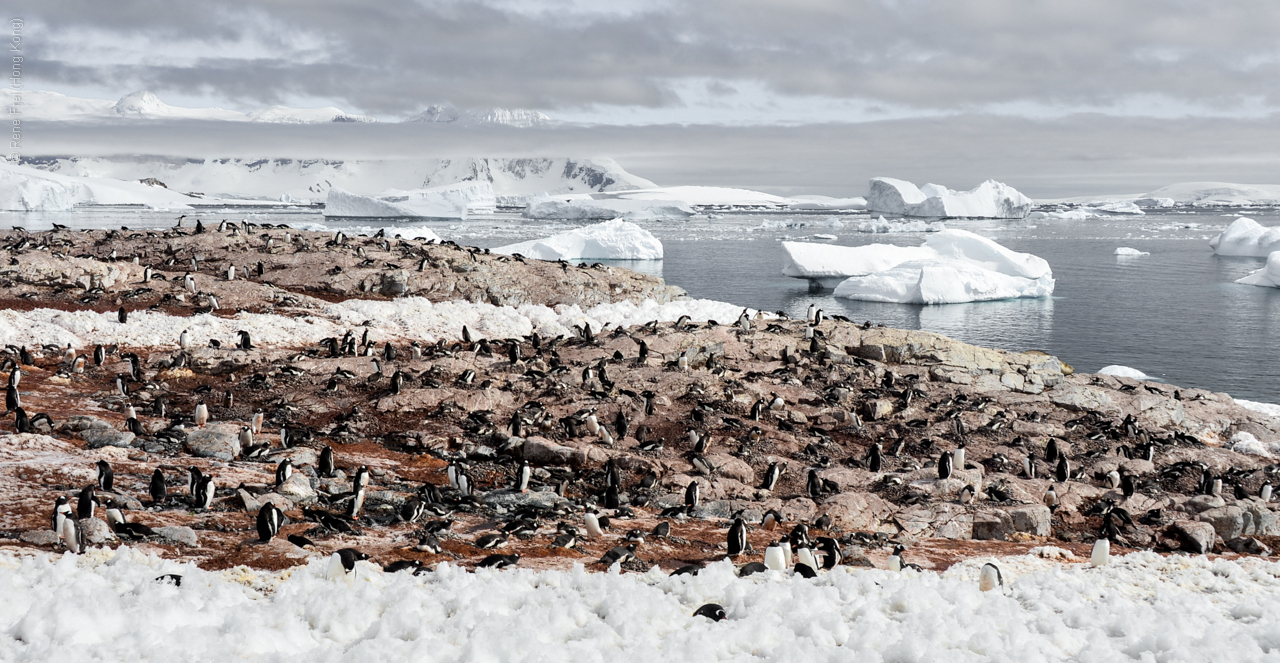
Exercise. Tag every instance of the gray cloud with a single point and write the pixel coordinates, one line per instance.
(395, 56)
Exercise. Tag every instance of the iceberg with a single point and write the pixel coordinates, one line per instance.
(1268, 276)
(941, 281)
(828, 265)
(1128, 251)
(1068, 215)
(828, 203)
(881, 225)
(611, 240)
(454, 201)
(1124, 372)
(1149, 201)
(1246, 237)
(990, 200)
(1109, 207)
(584, 208)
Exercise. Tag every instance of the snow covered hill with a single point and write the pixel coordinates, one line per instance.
(515, 117)
(41, 105)
(311, 179)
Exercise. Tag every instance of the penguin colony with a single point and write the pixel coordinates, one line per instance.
(675, 444)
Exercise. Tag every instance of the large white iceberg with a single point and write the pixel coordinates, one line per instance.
(1246, 237)
(1268, 276)
(991, 200)
(952, 266)
(611, 240)
(583, 208)
(454, 201)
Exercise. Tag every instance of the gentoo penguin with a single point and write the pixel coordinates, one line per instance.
(122, 315)
(244, 342)
(737, 537)
(246, 437)
(1051, 451)
(465, 485)
(786, 552)
(814, 484)
(944, 465)
(497, 561)
(809, 316)
(1101, 552)
(805, 571)
(269, 519)
(106, 478)
(61, 510)
(772, 475)
(770, 520)
(818, 317)
(99, 355)
(957, 456)
(966, 494)
(989, 577)
(202, 415)
(15, 376)
(744, 322)
(692, 493)
(592, 522)
(712, 611)
(776, 402)
(875, 458)
(205, 492)
(193, 481)
(1126, 485)
(1029, 467)
(326, 466)
(490, 541)
(256, 424)
(157, 487)
(130, 412)
(619, 555)
(523, 476)
(662, 529)
(774, 557)
(593, 424)
(184, 339)
(1216, 490)
(1113, 479)
(1265, 493)
(86, 503)
(77, 366)
(231, 272)
(72, 536)
(283, 471)
(612, 476)
(804, 556)
(403, 565)
(620, 424)
(831, 556)
(565, 540)
(361, 478)
(896, 562)
(1051, 498)
(344, 561)
(1063, 471)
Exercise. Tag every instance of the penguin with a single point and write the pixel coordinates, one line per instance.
(1051, 498)
(776, 403)
(1113, 479)
(326, 466)
(786, 552)
(130, 412)
(72, 536)
(1063, 471)
(194, 476)
(757, 409)
(966, 494)
(15, 376)
(805, 557)
(522, 477)
(830, 549)
(205, 492)
(814, 484)
(1051, 451)
(989, 577)
(944, 466)
(106, 478)
(283, 471)
(86, 503)
(692, 493)
(620, 424)
(244, 342)
(498, 561)
(269, 519)
(68, 355)
(99, 355)
(465, 485)
(737, 537)
(1127, 488)
(774, 557)
(12, 401)
(612, 476)
(770, 520)
(246, 437)
(896, 561)
(61, 510)
(190, 282)
(818, 317)
(712, 611)
(875, 459)
(812, 310)
(403, 565)
(184, 339)
(256, 424)
(1265, 493)
(593, 424)
(491, 541)
(428, 544)
(771, 476)
(1216, 490)
(122, 315)
(1029, 467)
(357, 501)
(347, 558)
(619, 555)
(611, 498)
(202, 415)
(157, 487)
(1101, 552)
(231, 272)
(957, 456)
(592, 522)
(662, 529)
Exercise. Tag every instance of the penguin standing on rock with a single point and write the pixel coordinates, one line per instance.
(944, 466)
(1063, 471)
(87, 502)
(523, 476)
(737, 537)
(692, 494)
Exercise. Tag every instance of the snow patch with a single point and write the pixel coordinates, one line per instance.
(1246, 443)
(611, 240)
(991, 199)
(1269, 409)
(1124, 372)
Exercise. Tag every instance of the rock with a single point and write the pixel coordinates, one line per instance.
(1000, 524)
(106, 437)
(1262, 520)
(180, 535)
(297, 488)
(751, 511)
(733, 468)
(1032, 519)
(1201, 503)
(96, 531)
(511, 499)
(541, 451)
(859, 511)
(1080, 398)
(877, 409)
(81, 422)
(221, 441)
(1227, 521)
(1196, 537)
(1249, 546)
(40, 537)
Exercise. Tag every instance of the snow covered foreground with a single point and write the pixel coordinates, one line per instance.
(611, 240)
(109, 606)
(412, 318)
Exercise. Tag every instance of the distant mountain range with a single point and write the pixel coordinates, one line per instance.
(42, 105)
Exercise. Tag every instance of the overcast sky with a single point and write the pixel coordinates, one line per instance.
(1184, 65)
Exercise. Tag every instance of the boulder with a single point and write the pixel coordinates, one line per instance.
(98, 438)
(179, 535)
(541, 451)
(1000, 523)
(732, 468)
(1080, 398)
(1249, 546)
(1195, 536)
(1227, 521)
(297, 488)
(857, 511)
(221, 441)
(1202, 503)
(81, 422)
(96, 531)
(40, 537)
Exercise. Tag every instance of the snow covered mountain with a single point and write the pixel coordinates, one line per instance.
(41, 105)
(311, 179)
(514, 117)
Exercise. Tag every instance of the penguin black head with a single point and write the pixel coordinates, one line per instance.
(712, 611)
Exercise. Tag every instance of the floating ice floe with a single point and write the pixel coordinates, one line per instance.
(952, 266)
(575, 208)
(883, 226)
(1246, 237)
(991, 200)
(1124, 372)
(1127, 251)
(1114, 207)
(611, 240)
(117, 605)
(1079, 214)
(454, 201)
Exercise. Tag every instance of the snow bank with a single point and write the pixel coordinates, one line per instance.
(991, 199)
(827, 203)
(454, 201)
(1216, 193)
(1127, 251)
(1124, 372)
(408, 318)
(1269, 409)
(1246, 443)
(881, 225)
(1246, 237)
(108, 606)
(611, 240)
(588, 209)
(25, 189)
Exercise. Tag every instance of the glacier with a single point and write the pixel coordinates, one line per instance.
(990, 200)
(611, 240)
(1246, 237)
(25, 189)
(455, 201)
